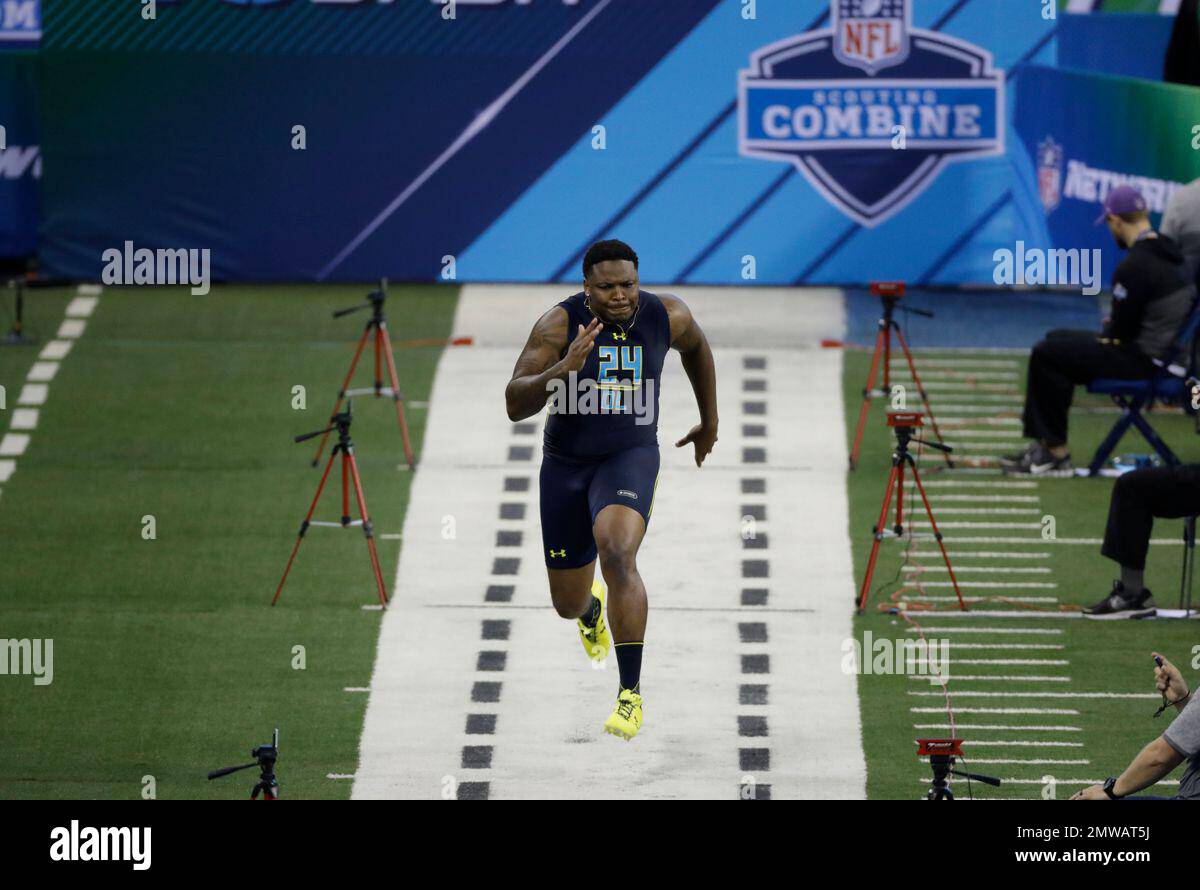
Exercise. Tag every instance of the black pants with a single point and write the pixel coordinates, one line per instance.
(1138, 497)
(1062, 361)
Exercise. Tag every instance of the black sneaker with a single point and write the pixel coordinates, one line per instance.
(1013, 460)
(1120, 604)
(1037, 460)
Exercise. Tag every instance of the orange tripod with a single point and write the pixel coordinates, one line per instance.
(904, 423)
(341, 422)
(890, 293)
(377, 328)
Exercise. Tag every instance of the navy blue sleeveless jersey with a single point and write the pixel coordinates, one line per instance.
(614, 405)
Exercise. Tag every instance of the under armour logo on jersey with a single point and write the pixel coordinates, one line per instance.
(558, 553)
(620, 335)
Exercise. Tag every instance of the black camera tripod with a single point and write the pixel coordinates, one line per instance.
(341, 422)
(943, 768)
(264, 758)
(377, 328)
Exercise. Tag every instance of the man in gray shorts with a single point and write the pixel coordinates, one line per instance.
(1180, 741)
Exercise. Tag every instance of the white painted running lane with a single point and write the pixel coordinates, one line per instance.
(481, 690)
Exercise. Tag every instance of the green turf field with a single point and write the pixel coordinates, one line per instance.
(1110, 656)
(168, 661)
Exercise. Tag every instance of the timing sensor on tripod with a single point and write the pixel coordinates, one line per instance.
(909, 419)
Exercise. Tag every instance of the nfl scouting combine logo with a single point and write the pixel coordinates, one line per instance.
(871, 109)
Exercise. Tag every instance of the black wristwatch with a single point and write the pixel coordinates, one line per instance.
(1109, 784)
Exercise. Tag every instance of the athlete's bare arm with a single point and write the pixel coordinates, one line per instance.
(539, 361)
(697, 358)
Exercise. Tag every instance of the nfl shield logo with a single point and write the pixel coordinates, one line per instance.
(871, 109)
(1049, 167)
(871, 34)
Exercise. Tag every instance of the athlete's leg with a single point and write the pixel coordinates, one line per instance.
(571, 589)
(622, 498)
(618, 531)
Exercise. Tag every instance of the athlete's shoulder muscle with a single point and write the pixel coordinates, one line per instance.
(545, 344)
(684, 330)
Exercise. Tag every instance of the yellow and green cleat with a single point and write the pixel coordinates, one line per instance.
(596, 640)
(626, 718)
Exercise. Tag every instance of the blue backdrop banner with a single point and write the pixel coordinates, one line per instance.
(730, 141)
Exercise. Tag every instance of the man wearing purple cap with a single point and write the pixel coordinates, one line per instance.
(1151, 301)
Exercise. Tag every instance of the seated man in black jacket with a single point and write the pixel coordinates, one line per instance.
(1151, 301)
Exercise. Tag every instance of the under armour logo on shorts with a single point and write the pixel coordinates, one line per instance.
(554, 553)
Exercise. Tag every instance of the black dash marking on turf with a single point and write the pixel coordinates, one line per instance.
(754, 596)
(754, 455)
(754, 759)
(524, 429)
(509, 539)
(475, 791)
(751, 664)
(752, 631)
(755, 511)
(758, 542)
(516, 483)
(491, 660)
(497, 629)
(754, 486)
(754, 385)
(506, 565)
(751, 694)
(755, 568)
(754, 408)
(490, 692)
(477, 757)
(520, 452)
(754, 430)
(484, 724)
(512, 511)
(499, 593)
(752, 726)
(755, 363)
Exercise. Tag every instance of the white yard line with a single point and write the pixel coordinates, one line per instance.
(1064, 712)
(977, 554)
(997, 678)
(991, 570)
(996, 585)
(937, 498)
(36, 389)
(1037, 631)
(1000, 726)
(1056, 647)
(990, 486)
(927, 362)
(985, 511)
(1001, 661)
(929, 598)
(999, 613)
(1020, 761)
(976, 693)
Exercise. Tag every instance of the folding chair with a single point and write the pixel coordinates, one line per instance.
(1169, 384)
